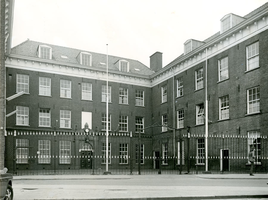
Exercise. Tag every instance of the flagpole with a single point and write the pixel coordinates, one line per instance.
(107, 112)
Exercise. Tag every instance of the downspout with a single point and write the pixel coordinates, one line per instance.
(174, 121)
(206, 113)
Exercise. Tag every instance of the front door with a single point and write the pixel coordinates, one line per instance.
(86, 159)
(156, 159)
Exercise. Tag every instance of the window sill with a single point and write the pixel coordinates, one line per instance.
(247, 71)
(222, 120)
(220, 81)
(124, 104)
(250, 114)
(197, 90)
(45, 95)
(140, 106)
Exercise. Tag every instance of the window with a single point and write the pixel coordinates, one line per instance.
(44, 117)
(164, 94)
(85, 59)
(139, 101)
(164, 122)
(180, 118)
(104, 93)
(123, 66)
(224, 107)
(22, 116)
(123, 96)
(200, 159)
(87, 91)
(103, 161)
(254, 138)
(65, 119)
(253, 56)
(123, 153)
(165, 154)
(223, 69)
(65, 89)
(44, 151)
(103, 122)
(65, 152)
(86, 119)
(141, 154)
(179, 87)
(253, 100)
(44, 86)
(45, 52)
(199, 79)
(181, 156)
(123, 123)
(139, 124)
(200, 114)
(22, 83)
(22, 151)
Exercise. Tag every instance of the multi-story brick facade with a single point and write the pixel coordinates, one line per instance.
(200, 112)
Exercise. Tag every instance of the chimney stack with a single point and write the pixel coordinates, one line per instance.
(156, 61)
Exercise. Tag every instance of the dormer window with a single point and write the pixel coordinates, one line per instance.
(123, 66)
(229, 21)
(45, 52)
(191, 44)
(85, 59)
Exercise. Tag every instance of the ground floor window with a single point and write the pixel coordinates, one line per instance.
(141, 154)
(165, 154)
(22, 151)
(254, 138)
(65, 152)
(44, 151)
(123, 153)
(103, 161)
(200, 159)
(181, 155)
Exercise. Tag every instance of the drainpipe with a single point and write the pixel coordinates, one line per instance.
(206, 113)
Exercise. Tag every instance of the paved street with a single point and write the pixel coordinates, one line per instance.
(141, 187)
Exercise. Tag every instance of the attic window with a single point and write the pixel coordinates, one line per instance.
(45, 52)
(62, 56)
(226, 23)
(123, 66)
(229, 21)
(136, 69)
(85, 59)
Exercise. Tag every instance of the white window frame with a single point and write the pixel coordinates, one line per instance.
(200, 151)
(123, 95)
(44, 86)
(44, 117)
(164, 153)
(65, 88)
(223, 69)
(22, 151)
(43, 53)
(254, 137)
(123, 68)
(123, 123)
(65, 118)
(183, 153)
(252, 53)
(200, 114)
(86, 90)
(164, 93)
(139, 124)
(65, 148)
(199, 79)
(104, 93)
(103, 122)
(224, 107)
(123, 153)
(86, 59)
(253, 100)
(22, 116)
(103, 161)
(164, 122)
(180, 118)
(139, 98)
(22, 83)
(44, 152)
(179, 87)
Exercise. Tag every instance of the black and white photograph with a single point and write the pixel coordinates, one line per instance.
(140, 100)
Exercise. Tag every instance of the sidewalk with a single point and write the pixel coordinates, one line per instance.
(168, 187)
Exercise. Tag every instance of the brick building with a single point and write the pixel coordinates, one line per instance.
(200, 112)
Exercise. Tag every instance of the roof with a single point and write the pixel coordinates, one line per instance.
(68, 55)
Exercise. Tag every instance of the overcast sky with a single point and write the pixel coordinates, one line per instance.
(132, 28)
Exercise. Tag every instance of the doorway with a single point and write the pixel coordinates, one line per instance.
(156, 160)
(224, 165)
(86, 159)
